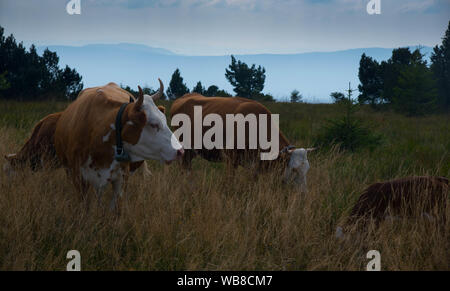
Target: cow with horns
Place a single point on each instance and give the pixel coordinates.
(103, 132)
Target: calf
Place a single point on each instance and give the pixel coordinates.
(410, 197)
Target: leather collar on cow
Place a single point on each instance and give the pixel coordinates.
(121, 155)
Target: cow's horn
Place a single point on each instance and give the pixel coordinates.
(140, 100)
(159, 94)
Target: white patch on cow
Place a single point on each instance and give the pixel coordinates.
(99, 178)
(106, 137)
(297, 168)
(129, 122)
(157, 141)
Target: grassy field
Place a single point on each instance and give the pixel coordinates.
(207, 220)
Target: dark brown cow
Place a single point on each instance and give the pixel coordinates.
(39, 150)
(293, 161)
(411, 197)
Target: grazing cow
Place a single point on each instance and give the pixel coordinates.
(410, 196)
(103, 131)
(39, 150)
(293, 160)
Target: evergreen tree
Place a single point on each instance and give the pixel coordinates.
(401, 59)
(70, 82)
(223, 93)
(347, 131)
(30, 76)
(337, 97)
(176, 87)
(371, 87)
(248, 82)
(415, 93)
(199, 88)
(296, 97)
(50, 72)
(440, 65)
(212, 91)
(3, 82)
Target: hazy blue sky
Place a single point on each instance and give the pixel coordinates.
(214, 27)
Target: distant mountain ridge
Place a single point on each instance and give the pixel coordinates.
(314, 74)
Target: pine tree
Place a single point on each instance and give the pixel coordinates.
(401, 59)
(212, 91)
(337, 97)
(440, 65)
(347, 131)
(30, 76)
(248, 82)
(371, 87)
(415, 93)
(296, 97)
(199, 88)
(4, 84)
(176, 87)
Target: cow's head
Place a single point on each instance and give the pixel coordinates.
(297, 166)
(146, 133)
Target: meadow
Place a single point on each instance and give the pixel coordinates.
(212, 220)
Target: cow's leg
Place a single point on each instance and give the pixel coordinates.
(99, 193)
(134, 167)
(145, 170)
(117, 193)
(81, 186)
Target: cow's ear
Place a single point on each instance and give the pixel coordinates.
(162, 109)
(140, 100)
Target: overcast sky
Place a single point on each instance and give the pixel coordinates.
(218, 27)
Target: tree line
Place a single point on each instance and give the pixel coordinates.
(247, 81)
(24, 75)
(405, 82)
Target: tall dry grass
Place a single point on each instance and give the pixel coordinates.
(209, 220)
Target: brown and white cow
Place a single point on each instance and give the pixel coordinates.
(418, 196)
(293, 161)
(39, 150)
(86, 143)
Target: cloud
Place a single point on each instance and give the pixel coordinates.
(417, 5)
(230, 26)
